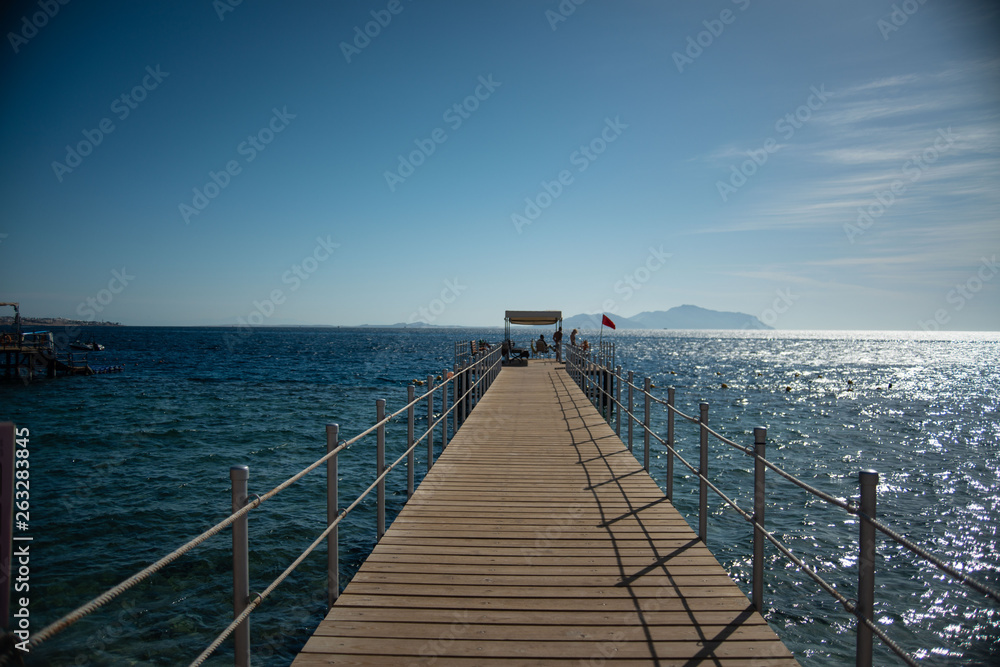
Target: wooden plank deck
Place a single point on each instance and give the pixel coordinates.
(537, 539)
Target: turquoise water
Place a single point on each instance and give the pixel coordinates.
(126, 467)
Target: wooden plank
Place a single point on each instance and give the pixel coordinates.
(537, 538)
(581, 649)
(554, 604)
(603, 654)
(550, 631)
(346, 613)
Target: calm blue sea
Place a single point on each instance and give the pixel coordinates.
(128, 466)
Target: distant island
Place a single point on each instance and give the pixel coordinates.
(679, 317)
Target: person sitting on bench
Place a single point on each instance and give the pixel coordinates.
(541, 347)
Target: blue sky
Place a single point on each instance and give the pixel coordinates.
(830, 164)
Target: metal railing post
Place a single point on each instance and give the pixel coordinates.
(380, 468)
(467, 391)
(757, 596)
(444, 409)
(454, 399)
(631, 377)
(241, 566)
(578, 368)
(470, 388)
(595, 388)
(410, 465)
(618, 401)
(599, 388)
(670, 443)
(476, 385)
(430, 420)
(591, 385)
(608, 382)
(332, 509)
(463, 386)
(703, 475)
(646, 386)
(602, 390)
(868, 481)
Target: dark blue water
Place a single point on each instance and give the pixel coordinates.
(126, 467)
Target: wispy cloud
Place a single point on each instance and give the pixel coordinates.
(927, 141)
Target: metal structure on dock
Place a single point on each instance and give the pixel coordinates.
(33, 354)
(532, 318)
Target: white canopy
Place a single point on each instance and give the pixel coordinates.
(533, 317)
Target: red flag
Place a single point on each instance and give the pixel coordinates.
(606, 321)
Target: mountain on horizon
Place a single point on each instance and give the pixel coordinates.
(678, 317)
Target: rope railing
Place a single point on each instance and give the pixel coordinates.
(848, 606)
(833, 500)
(329, 529)
(657, 399)
(956, 574)
(483, 366)
(826, 586)
(583, 366)
(380, 478)
(723, 439)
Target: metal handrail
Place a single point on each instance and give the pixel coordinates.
(485, 374)
(833, 500)
(746, 450)
(577, 359)
(375, 485)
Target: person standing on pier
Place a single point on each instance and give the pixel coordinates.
(557, 339)
(572, 337)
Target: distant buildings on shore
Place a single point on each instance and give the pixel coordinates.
(7, 320)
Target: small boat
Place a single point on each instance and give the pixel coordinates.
(92, 346)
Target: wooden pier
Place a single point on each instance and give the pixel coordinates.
(538, 539)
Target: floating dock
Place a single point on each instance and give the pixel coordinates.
(33, 355)
(538, 539)
(27, 355)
